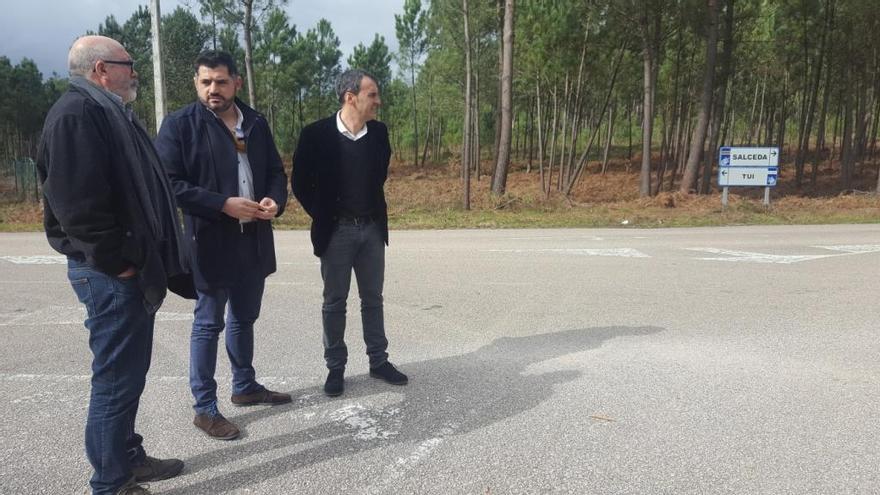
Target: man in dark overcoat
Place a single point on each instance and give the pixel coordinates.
(229, 182)
(339, 172)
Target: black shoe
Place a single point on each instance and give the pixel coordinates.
(152, 469)
(335, 383)
(132, 488)
(389, 373)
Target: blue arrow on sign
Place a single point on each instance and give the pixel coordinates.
(771, 180)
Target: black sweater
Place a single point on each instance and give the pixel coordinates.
(317, 175)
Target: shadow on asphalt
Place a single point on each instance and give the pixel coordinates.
(446, 396)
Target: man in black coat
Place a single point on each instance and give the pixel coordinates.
(339, 172)
(230, 184)
(109, 208)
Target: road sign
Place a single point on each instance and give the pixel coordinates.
(729, 156)
(742, 166)
(747, 176)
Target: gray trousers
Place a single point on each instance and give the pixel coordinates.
(357, 247)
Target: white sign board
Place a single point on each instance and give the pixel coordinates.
(741, 166)
(729, 156)
(747, 176)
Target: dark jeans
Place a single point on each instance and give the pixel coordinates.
(120, 325)
(244, 300)
(359, 247)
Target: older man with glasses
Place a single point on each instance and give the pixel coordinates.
(109, 208)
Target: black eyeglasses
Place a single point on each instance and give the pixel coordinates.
(129, 63)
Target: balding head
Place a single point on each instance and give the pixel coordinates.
(87, 50)
(105, 62)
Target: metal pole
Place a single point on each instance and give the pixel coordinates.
(724, 197)
(766, 196)
(158, 71)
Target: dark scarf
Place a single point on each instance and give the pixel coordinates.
(137, 150)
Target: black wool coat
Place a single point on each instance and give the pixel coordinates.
(91, 207)
(200, 157)
(315, 177)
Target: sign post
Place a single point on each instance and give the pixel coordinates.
(741, 166)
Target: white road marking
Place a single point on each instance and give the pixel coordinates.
(31, 377)
(68, 315)
(854, 248)
(36, 260)
(542, 237)
(402, 465)
(49, 397)
(364, 422)
(618, 252)
(62, 378)
(752, 257)
(31, 282)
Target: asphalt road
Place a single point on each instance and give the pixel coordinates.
(708, 360)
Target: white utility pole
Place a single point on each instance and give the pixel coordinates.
(158, 71)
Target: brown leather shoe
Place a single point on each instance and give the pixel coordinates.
(264, 396)
(216, 426)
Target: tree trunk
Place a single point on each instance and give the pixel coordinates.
(861, 118)
(820, 131)
(429, 130)
(846, 144)
(583, 160)
(718, 112)
(496, 110)
(768, 139)
(648, 119)
(699, 139)
(751, 123)
(552, 144)
(780, 141)
(544, 187)
(563, 172)
(527, 139)
(804, 146)
(466, 133)
(476, 126)
(248, 51)
(608, 140)
(577, 110)
(412, 78)
(629, 134)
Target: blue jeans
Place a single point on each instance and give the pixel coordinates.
(357, 247)
(244, 300)
(120, 325)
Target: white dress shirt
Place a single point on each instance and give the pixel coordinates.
(344, 130)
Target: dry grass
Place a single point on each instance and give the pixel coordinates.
(431, 198)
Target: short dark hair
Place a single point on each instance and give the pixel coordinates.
(350, 82)
(215, 58)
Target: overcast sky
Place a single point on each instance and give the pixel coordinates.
(43, 30)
